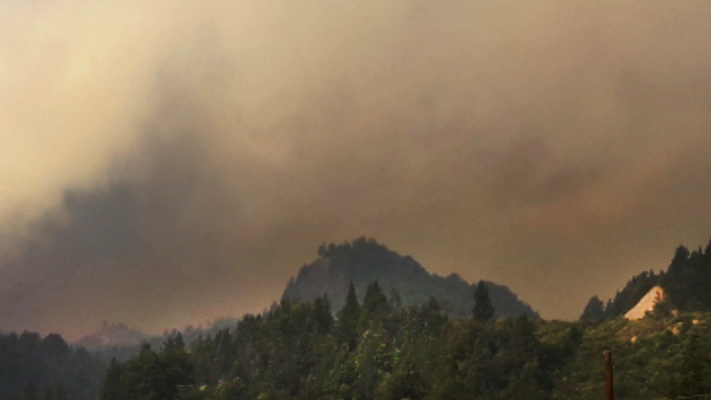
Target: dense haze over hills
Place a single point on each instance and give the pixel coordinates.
(171, 163)
(112, 334)
(364, 261)
(166, 163)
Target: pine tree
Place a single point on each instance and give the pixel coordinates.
(178, 365)
(594, 310)
(483, 309)
(348, 319)
(30, 392)
(146, 376)
(375, 304)
(322, 314)
(707, 253)
(681, 256)
(60, 393)
(610, 310)
(113, 388)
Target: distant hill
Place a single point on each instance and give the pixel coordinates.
(686, 283)
(365, 260)
(118, 340)
(116, 334)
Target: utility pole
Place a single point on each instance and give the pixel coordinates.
(609, 380)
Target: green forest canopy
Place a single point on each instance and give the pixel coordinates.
(378, 349)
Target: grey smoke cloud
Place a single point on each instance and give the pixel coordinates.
(166, 163)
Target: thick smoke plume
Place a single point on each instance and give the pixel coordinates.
(168, 162)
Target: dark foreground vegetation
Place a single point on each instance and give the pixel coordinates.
(381, 350)
(47, 368)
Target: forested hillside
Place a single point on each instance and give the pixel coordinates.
(401, 277)
(381, 350)
(686, 283)
(33, 366)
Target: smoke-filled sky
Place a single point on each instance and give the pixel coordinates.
(165, 163)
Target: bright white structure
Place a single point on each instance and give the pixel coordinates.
(647, 304)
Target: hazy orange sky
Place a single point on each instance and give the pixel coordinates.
(165, 163)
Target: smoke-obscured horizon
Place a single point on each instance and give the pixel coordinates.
(165, 163)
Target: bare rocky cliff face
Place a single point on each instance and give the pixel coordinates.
(646, 304)
(364, 261)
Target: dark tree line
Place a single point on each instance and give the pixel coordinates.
(56, 392)
(151, 375)
(32, 367)
(686, 283)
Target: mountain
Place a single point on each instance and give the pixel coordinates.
(686, 284)
(364, 261)
(119, 341)
(116, 334)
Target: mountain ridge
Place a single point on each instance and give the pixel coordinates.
(365, 260)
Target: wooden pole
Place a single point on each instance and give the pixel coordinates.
(609, 387)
